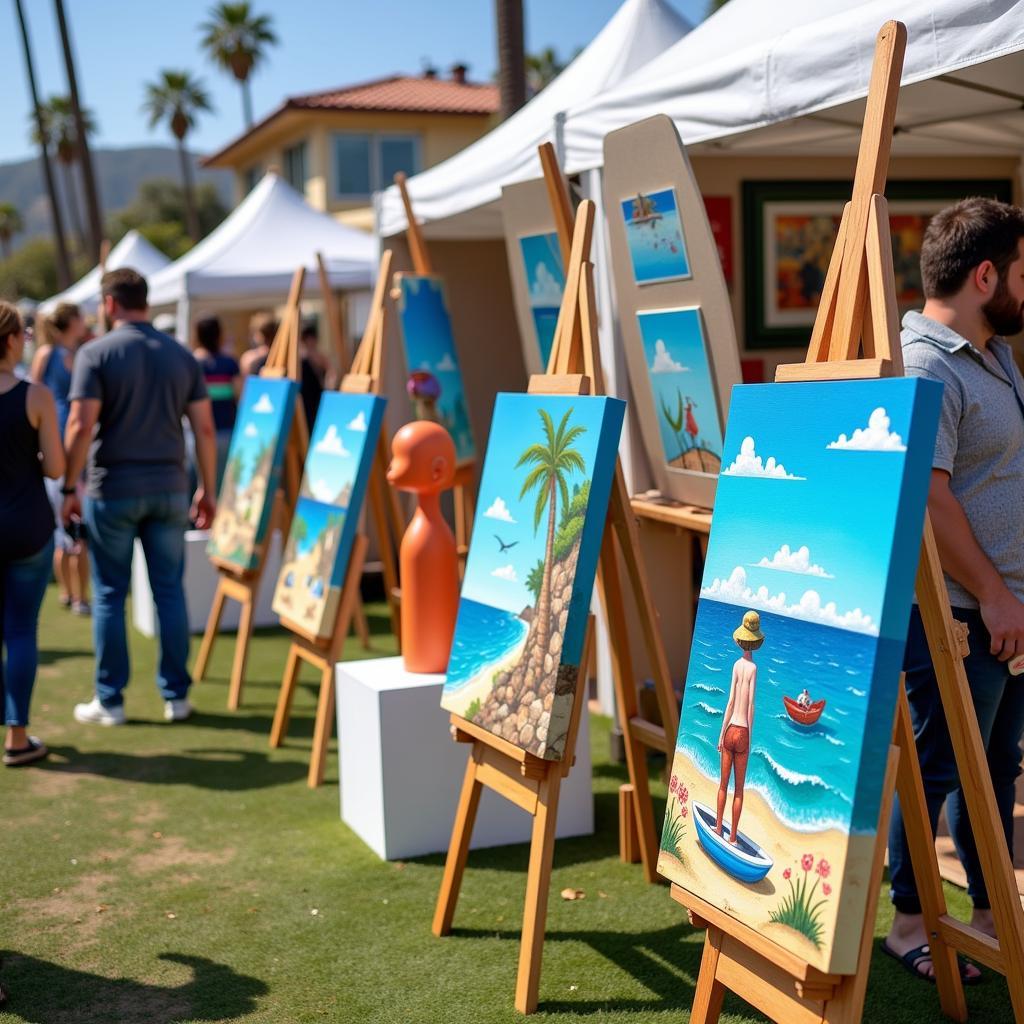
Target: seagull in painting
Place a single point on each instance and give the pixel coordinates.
(504, 547)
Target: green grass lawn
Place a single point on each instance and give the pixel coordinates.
(160, 874)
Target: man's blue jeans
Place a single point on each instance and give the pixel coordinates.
(22, 586)
(160, 522)
(999, 702)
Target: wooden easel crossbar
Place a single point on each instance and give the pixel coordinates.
(856, 337)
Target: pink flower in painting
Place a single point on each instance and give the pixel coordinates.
(826, 888)
(786, 874)
(684, 794)
(824, 869)
(684, 810)
(807, 861)
(673, 785)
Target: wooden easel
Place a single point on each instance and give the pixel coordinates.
(464, 488)
(384, 509)
(637, 835)
(243, 585)
(363, 378)
(856, 336)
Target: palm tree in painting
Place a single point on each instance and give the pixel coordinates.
(177, 97)
(237, 40)
(675, 422)
(553, 462)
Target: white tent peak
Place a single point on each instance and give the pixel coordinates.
(134, 250)
(472, 178)
(255, 251)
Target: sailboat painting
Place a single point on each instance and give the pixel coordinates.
(654, 232)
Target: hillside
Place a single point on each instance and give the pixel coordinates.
(119, 172)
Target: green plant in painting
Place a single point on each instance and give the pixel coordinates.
(675, 421)
(675, 818)
(473, 709)
(800, 910)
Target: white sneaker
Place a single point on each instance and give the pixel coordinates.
(96, 714)
(177, 710)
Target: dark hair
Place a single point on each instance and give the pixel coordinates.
(10, 325)
(60, 319)
(309, 332)
(964, 235)
(127, 287)
(208, 333)
(265, 326)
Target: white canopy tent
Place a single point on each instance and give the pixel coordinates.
(250, 258)
(134, 251)
(464, 191)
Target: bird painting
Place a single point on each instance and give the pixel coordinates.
(505, 547)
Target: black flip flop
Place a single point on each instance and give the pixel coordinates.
(35, 751)
(914, 956)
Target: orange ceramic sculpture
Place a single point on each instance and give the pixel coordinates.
(423, 462)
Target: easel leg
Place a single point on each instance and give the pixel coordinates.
(629, 838)
(709, 993)
(242, 641)
(458, 849)
(322, 732)
(210, 635)
(284, 700)
(362, 627)
(538, 883)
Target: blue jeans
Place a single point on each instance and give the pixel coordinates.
(160, 522)
(22, 587)
(999, 702)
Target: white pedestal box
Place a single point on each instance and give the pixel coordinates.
(200, 586)
(401, 772)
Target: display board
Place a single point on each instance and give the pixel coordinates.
(530, 573)
(252, 471)
(673, 305)
(315, 561)
(779, 767)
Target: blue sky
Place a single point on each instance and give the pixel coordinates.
(839, 503)
(338, 441)
(499, 578)
(657, 248)
(260, 415)
(324, 44)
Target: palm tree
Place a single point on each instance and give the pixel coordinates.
(177, 97)
(10, 225)
(542, 69)
(552, 463)
(236, 40)
(511, 56)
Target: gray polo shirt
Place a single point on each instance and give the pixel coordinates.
(980, 441)
(145, 381)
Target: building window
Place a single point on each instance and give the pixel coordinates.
(295, 166)
(367, 163)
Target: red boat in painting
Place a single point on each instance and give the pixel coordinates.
(804, 715)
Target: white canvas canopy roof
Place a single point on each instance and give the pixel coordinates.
(464, 190)
(133, 251)
(791, 79)
(251, 257)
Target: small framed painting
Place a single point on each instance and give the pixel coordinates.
(252, 471)
(545, 280)
(654, 234)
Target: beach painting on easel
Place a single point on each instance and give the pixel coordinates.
(252, 470)
(654, 234)
(682, 388)
(787, 714)
(434, 378)
(315, 559)
(525, 598)
(545, 279)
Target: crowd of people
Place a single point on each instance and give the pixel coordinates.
(104, 441)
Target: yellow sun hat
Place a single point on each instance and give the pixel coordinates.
(751, 628)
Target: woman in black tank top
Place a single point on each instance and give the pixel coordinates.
(30, 448)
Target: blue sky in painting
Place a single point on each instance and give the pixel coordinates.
(315, 515)
(677, 366)
(499, 578)
(656, 246)
(262, 409)
(808, 499)
(337, 444)
(544, 274)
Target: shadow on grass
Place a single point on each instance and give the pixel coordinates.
(51, 656)
(43, 991)
(226, 770)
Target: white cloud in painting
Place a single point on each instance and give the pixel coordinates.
(322, 491)
(506, 572)
(263, 405)
(749, 463)
(663, 361)
(798, 561)
(331, 444)
(875, 437)
(499, 510)
(545, 290)
(809, 608)
(250, 430)
(359, 423)
(446, 364)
